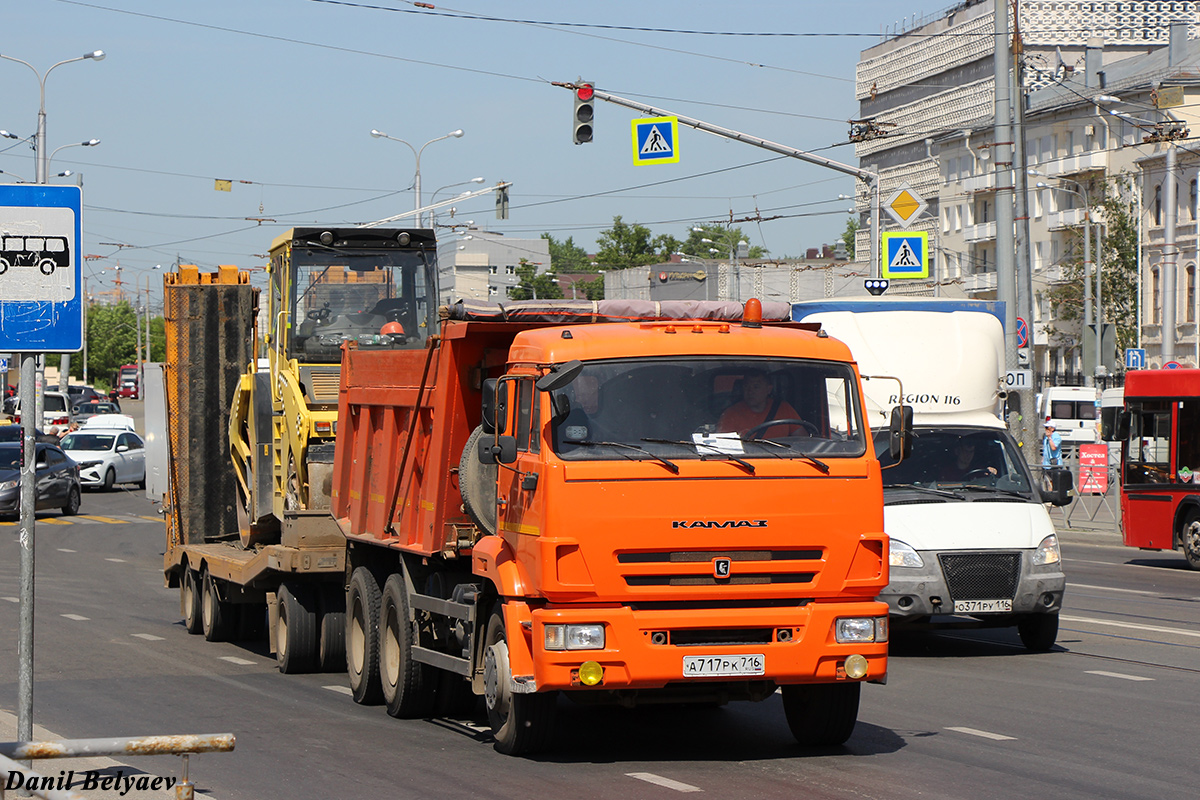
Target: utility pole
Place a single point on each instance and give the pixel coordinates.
(868, 177)
(1028, 430)
(1169, 253)
(1005, 245)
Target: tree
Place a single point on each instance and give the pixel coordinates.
(850, 235)
(624, 245)
(566, 256)
(593, 289)
(721, 237)
(112, 339)
(1118, 267)
(532, 285)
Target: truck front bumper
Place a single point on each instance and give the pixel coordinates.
(656, 649)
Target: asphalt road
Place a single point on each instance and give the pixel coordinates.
(967, 714)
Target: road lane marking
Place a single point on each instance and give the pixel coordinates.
(149, 637)
(11, 599)
(999, 737)
(76, 617)
(1120, 675)
(658, 780)
(1131, 625)
(65, 550)
(152, 519)
(52, 521)
(1112, 589)
(340, 689)
(239, 661)
(116, 560)
(98, 518)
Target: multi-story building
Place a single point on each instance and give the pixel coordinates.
(930, 91)
(482, 265)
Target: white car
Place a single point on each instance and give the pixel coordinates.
(107, 456)
(122, 422)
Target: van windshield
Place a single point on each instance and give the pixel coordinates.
(954, 458)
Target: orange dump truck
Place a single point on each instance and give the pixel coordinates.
(625, 501)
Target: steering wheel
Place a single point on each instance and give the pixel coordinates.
(978, 473)
(322, 315)
(771, 423)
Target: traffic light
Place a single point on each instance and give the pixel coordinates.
(876, 286)
(585, 99)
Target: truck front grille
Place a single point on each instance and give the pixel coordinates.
(720, 636)
(696, 567)
(981, 576)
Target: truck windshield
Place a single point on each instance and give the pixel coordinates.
(378, 298)
(709, 408)
(954, 458)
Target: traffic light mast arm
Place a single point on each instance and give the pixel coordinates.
(870, 178)
(423, 209)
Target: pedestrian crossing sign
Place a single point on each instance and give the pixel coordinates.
(905, 255)
(655, 140)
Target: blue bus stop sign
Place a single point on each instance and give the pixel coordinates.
(41, 273)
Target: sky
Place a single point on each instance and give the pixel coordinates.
(280, 96)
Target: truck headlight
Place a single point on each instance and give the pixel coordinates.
(855, 629)
(574, 637)
(903, 555)
(1047, 552)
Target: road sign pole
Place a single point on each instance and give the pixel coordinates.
(28, 490)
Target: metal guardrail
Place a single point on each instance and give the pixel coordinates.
(60, 788)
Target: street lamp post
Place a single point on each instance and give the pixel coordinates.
(737, 249)
(141, 362)
(417, 155)
(433, 197)
(31, 398)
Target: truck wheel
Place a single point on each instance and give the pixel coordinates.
(189, 602)
(521, 723)
(477, 484)
(331, 638)
(821, 714)
(219, 617)
(1189, 541)
(296, 633)
(362, 637)
(407, 685)
(1038, 631)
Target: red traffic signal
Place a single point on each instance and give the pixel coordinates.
(581, 125)
(585, 91)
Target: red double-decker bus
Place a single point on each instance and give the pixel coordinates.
(1160, 461)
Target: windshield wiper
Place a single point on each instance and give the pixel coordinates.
(992, 489)
(816, 462)
(715, 455)
(926, 489)
(671, 465)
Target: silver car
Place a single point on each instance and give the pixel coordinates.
(107, 456)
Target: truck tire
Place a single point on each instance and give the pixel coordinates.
(219, 617)
(477, 485)
(821, 714)
(296, 633)
(1038, 631)
(407, 686)
(189, 602)
(521, 723)
(331, 637)
(362, 637)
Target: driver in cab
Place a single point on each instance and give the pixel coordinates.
(758, 405)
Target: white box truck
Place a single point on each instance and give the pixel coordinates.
(972, 544)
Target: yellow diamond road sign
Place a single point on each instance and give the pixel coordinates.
(905, 205)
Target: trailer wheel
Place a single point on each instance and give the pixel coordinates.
(821, 714)
(1038, 631)
(477, 484)
(1189, 540)
(521, 723)
(362, 637)
(331, 639)
(407, 685)
(296, 633)
(219, 617)
(189, 602)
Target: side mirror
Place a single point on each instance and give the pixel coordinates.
(900, 432)
(489, 406)
(1058, 481)
(502, 451)
(560, 376)
(1122, 432)
(122, 448)
(40, 465)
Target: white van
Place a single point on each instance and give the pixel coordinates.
(1072, 409)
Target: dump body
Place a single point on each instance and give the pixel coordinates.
(969, 533)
